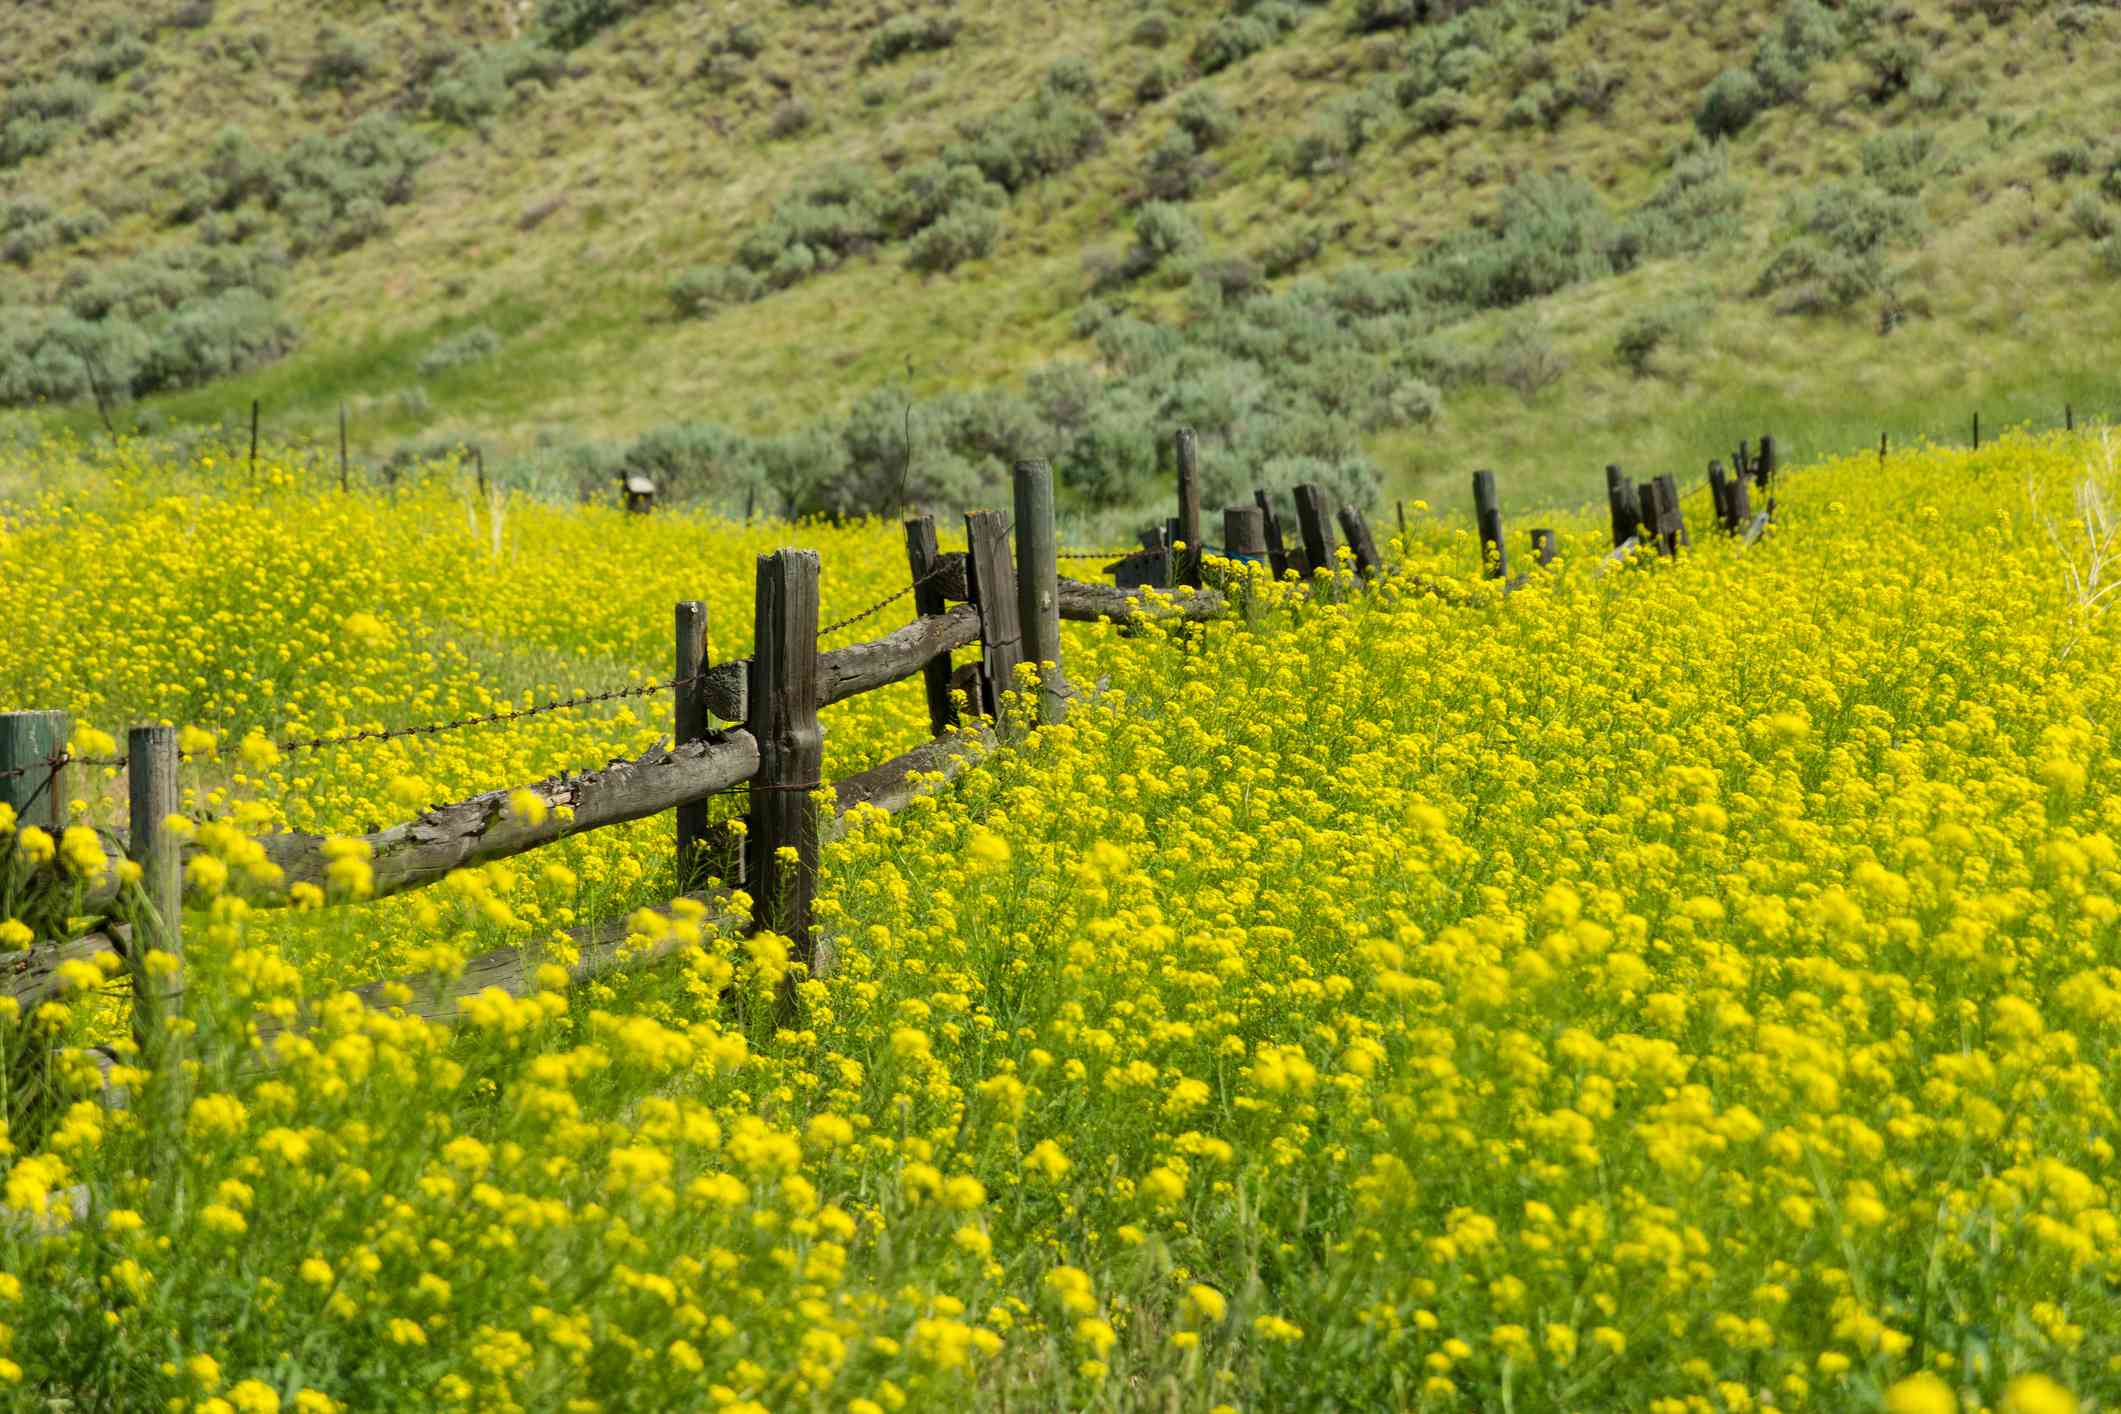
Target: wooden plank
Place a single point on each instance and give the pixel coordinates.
(993, 588)
(1620, 551)
(1277, 549)
(1314, 518)
(158, 915)
(896, 782)
(1671, 524)
(898, 655)
(781, 868)
(689, 723)
(928, 602)
(1487, 516)
(1245, 534)
(1720, 494)
(1646, 514)
(1038, 586)
(1357, 529)
(1758, 528)
(487, 827)
(29, 741)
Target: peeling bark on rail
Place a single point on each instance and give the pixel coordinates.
(472, 832)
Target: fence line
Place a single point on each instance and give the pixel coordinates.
(1009, 606)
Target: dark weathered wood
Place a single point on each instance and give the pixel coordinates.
(927, 602)
(1619, 505)
(1187, 449)
(29, 743)
(1881, 450)
(1487, 518)
(2069, 418)
(1543, 546)
(1277, 549)
(1741, 502)
(865, 667)
(1765, 464)
(1315, 518)
(1245, 534)
(1087, 603)
(158, 907)
(1977, 430)
(891, 785)
(1357, 529)
(487, 827)
(695, 857)
(992, 587)
(342, 448)
(1402, 505)
(1646, 514)
(791, 748)
(1671, 521)
(478, 459)
(1143, 569)
(1720, 495)
(1038, 577)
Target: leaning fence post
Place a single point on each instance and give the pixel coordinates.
(689, 725)
(991, 584)
(1317, 527)
(157, 954)
(1487, 518)
(1038, 578)
(928, 601)
(1188, 450)
(783, 720)
(1277, 549)
(33, 766)
(1357, 529)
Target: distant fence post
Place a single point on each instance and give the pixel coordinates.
(157, 954)
(1881, 450)
(1618, 505)
(1646, 513)
(1487, 518)
(928, 601)
(1357, 529)
(1543, 546)
(1317, 527)
(1277, 548)
(1720, 495)
(1671, 520)
(1765, 467)
(990, 583)
(1245, 541)
(783, 711)
(2069, 418)
(1187, 447)
(33, 766)
(253, 442)
(342, 448)
(1038, 577)
(690, 724)
(1977, 429)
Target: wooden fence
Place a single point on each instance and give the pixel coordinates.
(1008, 601)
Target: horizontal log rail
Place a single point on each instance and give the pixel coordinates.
(485, 827)
(1088, 603)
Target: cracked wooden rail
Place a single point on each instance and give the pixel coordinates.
(31, 978)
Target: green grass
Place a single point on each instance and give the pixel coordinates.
(653, 172)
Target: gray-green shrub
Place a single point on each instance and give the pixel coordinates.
(910, 34)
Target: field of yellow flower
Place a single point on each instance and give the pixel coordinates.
(1684, 986)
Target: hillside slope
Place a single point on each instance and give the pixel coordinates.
(1374, 243)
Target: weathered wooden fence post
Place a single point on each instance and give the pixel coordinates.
(1619, 504)
(1487, 518)
(1671, 520)
(783, 720)
(157, 953)
(1187, 447)
(1245, 541)
(1277, 548)
(1038, 577)
(1543, 547)
(1720, 495)
(990, 583)
(928, 601)
(1881, 450)
(33, 766)
(1977, 429)
(1357, 529)
(1317, 526)
(2069, 418)
(689, 724)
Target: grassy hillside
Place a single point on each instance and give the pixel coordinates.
(1374, 243)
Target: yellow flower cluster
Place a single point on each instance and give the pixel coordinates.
(1680, 986)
